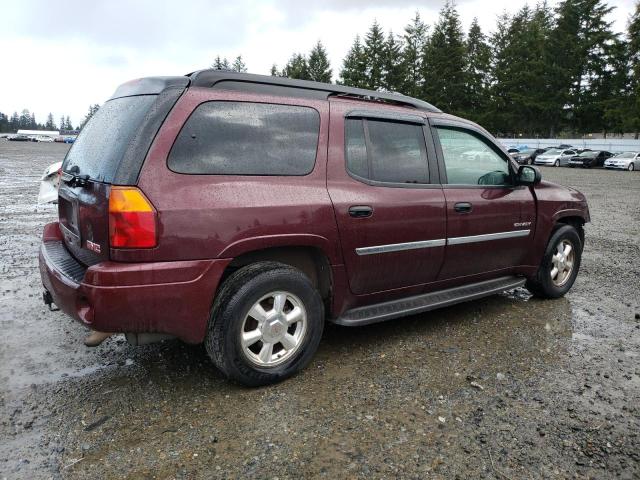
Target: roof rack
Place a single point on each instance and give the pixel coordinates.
(282, 86)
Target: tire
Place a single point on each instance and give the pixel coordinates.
(543, 285)
(530, 162)
(631, 167)
(230, 318)
(556, 163)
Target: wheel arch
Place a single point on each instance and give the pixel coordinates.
(311, 260)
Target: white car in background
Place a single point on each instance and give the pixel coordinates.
(624, 161)
(49, 184)
(556, 157)
(44, 138)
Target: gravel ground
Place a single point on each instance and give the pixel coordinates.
(508, 387)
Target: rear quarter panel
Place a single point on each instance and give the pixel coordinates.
(222, 216)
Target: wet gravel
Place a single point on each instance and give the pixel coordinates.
(508, 387)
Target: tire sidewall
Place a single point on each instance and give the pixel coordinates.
(229, 317)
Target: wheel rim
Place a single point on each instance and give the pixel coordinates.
(273, 330)
(562, 263)
(631, 167)
(557, 163)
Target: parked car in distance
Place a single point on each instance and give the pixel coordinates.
(589, 159)
(527, 156)
(59, 139)
(69, 139)
(44, 138)
(564, 146)
(555, 156)
(243, 211)
(624, 160)
(19, 138)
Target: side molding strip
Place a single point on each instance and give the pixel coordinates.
(488, 236)
(398, 247)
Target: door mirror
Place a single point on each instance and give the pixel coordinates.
(528, 175)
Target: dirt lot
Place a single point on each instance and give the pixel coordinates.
(556, 395)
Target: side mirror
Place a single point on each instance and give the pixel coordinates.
(528, 175)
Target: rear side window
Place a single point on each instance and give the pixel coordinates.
(386, 151)
(99, 148)
(243, 138)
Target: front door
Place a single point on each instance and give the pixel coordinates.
(391, 218)
(490, 221)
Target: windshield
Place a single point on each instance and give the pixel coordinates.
(589, 153)
(626, 155)
(103, 140)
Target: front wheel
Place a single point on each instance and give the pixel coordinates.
(560, 264)
(265, 324)
(630, 168)
(557, 163)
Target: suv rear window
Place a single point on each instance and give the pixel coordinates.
(244, 138)
(99, 148)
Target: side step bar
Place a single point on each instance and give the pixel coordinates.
(425, 302)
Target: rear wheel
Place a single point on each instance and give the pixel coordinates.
(630, 167)
(560, 264)
(265, 325)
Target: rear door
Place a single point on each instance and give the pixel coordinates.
(391, 217)
(490, 221)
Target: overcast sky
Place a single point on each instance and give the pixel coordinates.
(61, 56)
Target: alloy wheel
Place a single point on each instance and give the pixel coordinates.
(274, 329)
(562, 263)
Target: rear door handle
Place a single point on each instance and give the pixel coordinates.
(360, 211)
(463, 207)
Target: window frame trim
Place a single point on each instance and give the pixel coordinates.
(416, 120)
(184, 124)
(482, 136)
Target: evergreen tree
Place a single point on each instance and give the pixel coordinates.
(14, 122)
(354, 66)
(239, 65)
(62, 124)
(319, 66)
(274, 71)
(297, 67)
(374, 50)
(478, 73)
(633, 53)
(415, 39)
(220, 64)
(69, 126)
(393, 75)
(444, 63)
(92, 110)
(32, 122)
(50, 125)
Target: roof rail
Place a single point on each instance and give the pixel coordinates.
(282, 85)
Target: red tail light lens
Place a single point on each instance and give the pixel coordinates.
(132, 219)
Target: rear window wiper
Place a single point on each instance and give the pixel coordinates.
(74, 179)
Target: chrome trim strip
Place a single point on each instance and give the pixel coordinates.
(441, 242)
(397, 247)
(488, 236)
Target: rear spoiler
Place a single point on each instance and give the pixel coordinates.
(149, 86)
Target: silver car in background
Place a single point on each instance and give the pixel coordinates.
(556, 157)
(624, 161)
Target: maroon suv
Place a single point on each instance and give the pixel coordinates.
(243, 211)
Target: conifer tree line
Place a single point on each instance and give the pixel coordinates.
(26, 120)
(541, 72)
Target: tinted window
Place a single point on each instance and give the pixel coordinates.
(103, 140)
(242, 138)
(395, 152)
(470, 160)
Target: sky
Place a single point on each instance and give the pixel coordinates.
(62, 56)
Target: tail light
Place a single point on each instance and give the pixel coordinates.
(132, 219)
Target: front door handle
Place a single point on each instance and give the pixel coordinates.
(360, 211)
(463, 207)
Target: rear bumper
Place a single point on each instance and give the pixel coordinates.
(156, 297)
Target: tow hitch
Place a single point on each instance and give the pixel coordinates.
(48, 301)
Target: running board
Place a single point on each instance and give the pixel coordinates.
(380, 312)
